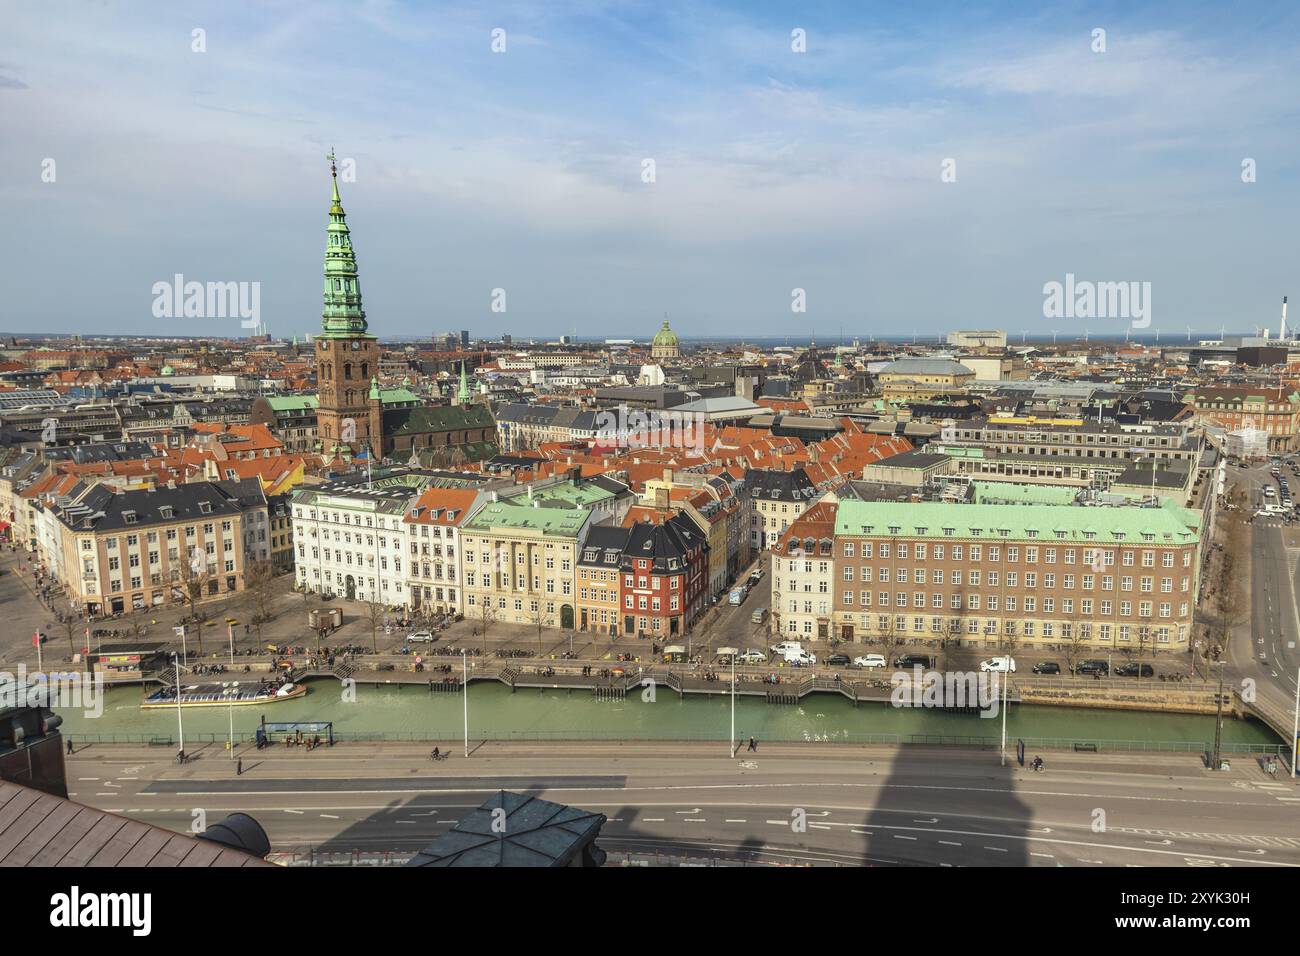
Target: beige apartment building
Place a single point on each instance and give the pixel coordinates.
(519, 563)
(130, 550)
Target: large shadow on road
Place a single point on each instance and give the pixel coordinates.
(948, 805)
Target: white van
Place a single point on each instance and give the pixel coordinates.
(999, 665)
(797, 656)
(784, 646)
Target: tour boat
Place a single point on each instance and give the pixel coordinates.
(214, 695)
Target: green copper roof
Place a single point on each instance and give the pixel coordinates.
(565, 494)
(397, 396)
(436, 418)
(343, 316)
(561, 522)
(1170, 525)
(665, 336)
(285, 403)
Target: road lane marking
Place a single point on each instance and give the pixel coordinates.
(735, 821)
(899, 836)
(997, 849)
(949, 843)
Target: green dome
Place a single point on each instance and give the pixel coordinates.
(168, 370)
(665, 337)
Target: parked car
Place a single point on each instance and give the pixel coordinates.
(1047, 667)
(1089, 668)
(784, 646)
(914, 660)
(838, 660)
(870, 660)
(998, 665)
(420, 637)
(1131, 669)
(751, 656)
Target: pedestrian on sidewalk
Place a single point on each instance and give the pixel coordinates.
(69, 745)
(239, 767)
(753, 745)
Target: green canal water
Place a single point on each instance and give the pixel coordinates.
(410, 712)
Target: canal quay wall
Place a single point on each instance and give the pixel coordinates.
(445, 673)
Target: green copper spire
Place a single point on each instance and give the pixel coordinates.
(374, 386)
(343, 316)
(462, 396)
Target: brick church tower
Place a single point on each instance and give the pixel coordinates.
(347, 356)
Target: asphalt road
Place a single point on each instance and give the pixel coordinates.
(1274, 630)
(858, 805)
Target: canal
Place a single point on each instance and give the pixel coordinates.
(410, 712)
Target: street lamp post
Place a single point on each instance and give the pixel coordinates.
(1006, 686)
(733, 705)
(1218, 718)
(464, 693)
(231, 691)
(180, 723)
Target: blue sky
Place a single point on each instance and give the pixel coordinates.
(774, 170)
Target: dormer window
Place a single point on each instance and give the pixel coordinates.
(130, 517)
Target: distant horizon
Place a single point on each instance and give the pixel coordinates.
(734, 166)
(764, 340)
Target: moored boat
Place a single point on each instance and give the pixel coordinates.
(214, 695)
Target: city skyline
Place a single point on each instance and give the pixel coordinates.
(524, 170)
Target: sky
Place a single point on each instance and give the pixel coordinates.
(919, 167)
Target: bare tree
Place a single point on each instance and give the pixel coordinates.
(373, 615)
(1075, 645)
(948, 639)
(542, 619)
(70, 623)
(195, 575)
(486, 618)
(885, 635)
(259, 580)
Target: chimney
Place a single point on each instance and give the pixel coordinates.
(661, 499)
(668, 475)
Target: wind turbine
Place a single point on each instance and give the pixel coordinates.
(1022, 336)
(1054, 331)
